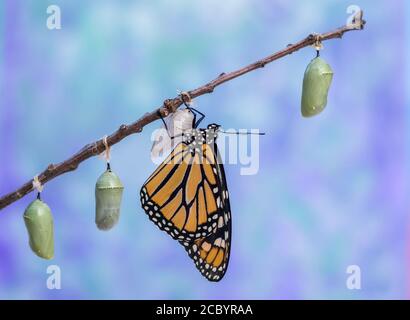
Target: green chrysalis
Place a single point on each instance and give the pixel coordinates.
(39, 224)
(316, 83)
(108, 195)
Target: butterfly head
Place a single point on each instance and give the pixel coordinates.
(211, 133)
(213, 127)
(197, 137)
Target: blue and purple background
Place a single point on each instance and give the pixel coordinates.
(332, 191)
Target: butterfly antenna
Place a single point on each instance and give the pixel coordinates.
(247, 133)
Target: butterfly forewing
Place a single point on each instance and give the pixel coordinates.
(182, 196)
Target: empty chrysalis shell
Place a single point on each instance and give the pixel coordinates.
(316, 83)
(177, 123)
(39, 224)
(108, 195)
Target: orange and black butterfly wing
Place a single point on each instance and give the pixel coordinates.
(211, 253)
(182, 195)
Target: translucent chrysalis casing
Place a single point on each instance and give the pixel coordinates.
(316, 83)
(177, 123)
(39, 224)
(108, 196)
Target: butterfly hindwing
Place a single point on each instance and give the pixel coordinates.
(211, 254)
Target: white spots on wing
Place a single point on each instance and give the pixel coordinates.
(221, 222)
(222, 243)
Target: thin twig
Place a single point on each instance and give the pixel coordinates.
(168, 106)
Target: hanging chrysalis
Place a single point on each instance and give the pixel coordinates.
(174, 125)
(39, 224)
(316, 83)
(108, 195)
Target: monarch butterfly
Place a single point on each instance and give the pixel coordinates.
(187, 197)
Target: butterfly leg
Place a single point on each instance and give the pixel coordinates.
(195, 112)
(163, 120)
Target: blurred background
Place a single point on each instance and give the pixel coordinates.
(332, 191)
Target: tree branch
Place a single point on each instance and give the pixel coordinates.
(168, 106)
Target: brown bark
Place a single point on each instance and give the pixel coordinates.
(169, 105)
